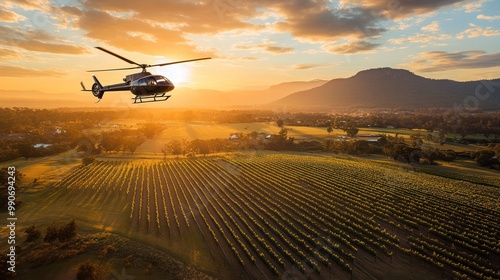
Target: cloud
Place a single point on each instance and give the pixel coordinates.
(306, 19)
(442, 61)
(433, 27)
(307, 66)
(421, 38)
(28, 4)
(351, 47)
(207, 17)
(10, 16)
(474, 5)
(490, 18)
(477, 31)
(7, 54)
(36, 40)
(266, 47)
(328, 25)
(116, 22)
(13, 71)
(133, 34)
(403, 8)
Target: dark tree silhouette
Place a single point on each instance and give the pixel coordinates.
(32, 234)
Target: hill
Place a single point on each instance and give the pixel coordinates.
(38, 99)
(181, 97)
(394, 88)
(186, 97)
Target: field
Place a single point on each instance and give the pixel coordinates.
(178, 130)
(268, 215)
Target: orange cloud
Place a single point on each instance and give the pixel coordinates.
(443, 61)
(166, 25)
(13, 71)
(10, 16)
(36, 40)
(433, 27)
(490, 18)
(134, 34)
(7, 54)
(308, 19)
(477, 31)
(28, 4)
(402, 8)
(421, 38)
(307, 66)
(266, 47)
(351, 47)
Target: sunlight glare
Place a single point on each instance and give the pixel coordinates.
(179, 74)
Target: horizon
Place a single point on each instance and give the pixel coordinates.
(253, 45)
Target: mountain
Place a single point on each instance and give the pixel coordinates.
(181, 97)
(394, 88)
(186, 97)
(38, 99)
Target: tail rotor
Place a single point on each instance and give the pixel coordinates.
(97, 88)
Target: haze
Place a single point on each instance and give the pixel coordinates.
(48, 45)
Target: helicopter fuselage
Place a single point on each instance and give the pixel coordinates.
(148, 84)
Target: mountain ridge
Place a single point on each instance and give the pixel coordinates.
(393, 88)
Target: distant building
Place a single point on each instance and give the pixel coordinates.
(41, 145)
(59, 130)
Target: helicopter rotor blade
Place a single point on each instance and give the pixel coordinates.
(181, 61)
(115, 69)
(139, 66)
(120, 57)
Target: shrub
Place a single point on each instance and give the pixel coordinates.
(63, 233)
(88, 271)
(51, 234)
(88, 160)
(68, 231)
(32, 234)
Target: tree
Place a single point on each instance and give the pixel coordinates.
(199, 146)
(280, 123)
(133, 142)
(68, 231)
(150, 130)
(32, 234)
(51, 234)
(174, 147)
(63, 233)
(485, 157)
(88, 160)
(416, 140)
(329, 129)
(351, 131)
(27, 150)
(88, 271)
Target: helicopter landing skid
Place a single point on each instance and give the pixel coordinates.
(151, 98)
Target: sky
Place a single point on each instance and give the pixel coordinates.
(50, 45)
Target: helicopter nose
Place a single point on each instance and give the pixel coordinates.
(170, 87)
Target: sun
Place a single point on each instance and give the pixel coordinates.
(179, 74)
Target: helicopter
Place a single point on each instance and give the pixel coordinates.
(145, 86)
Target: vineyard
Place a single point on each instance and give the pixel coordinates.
(303, 216)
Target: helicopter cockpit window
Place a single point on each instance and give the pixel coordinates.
(151, 81)
(160, 79)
